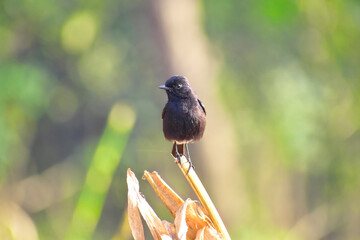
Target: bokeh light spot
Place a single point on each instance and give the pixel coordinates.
(99, 69)
(122, 118)
(78, 32)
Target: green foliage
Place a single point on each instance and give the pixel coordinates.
(100, 172)
(290, 85)
(23, 100)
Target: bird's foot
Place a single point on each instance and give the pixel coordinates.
(178, 158)
(191, 165)
(188, 160)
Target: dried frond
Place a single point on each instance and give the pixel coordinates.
(170, 199)
(137, 202)
(191, 219)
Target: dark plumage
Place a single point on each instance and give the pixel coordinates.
(184, 116)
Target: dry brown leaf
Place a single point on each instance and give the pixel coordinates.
(180, 221)
(200, 235)
(191, 219)
(157, 228)
(195, 218)
(170, 227)
(169, 198)
(133, 211)
(209, 233)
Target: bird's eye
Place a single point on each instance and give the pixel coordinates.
(178, 86)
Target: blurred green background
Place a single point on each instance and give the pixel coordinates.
(79, 105)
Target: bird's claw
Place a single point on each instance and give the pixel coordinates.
(178, 158)
(190, 166)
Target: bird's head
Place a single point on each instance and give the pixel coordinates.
(177, 87)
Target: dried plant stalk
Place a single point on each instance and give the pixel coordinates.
(203, 196)
(190, 218)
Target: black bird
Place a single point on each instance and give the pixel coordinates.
(184, 116)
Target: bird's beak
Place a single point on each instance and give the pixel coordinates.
(163, 87)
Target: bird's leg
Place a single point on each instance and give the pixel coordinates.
(188, 158)
(175, 152)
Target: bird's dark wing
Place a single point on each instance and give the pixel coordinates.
(163, 112)
(202, 106)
